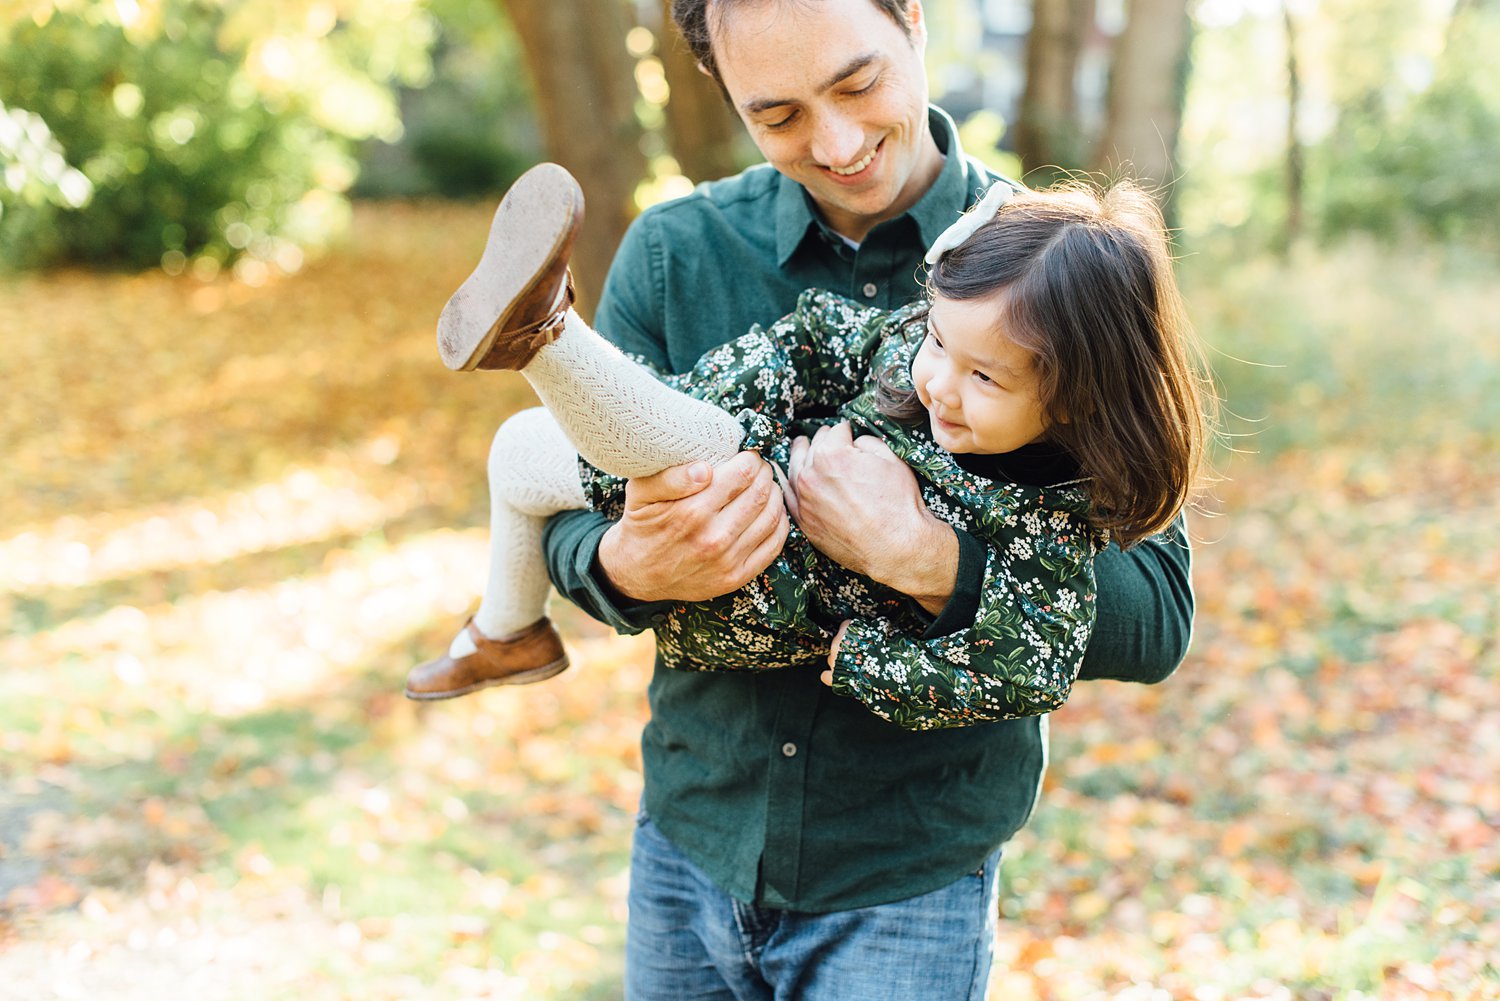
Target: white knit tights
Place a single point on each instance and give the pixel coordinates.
(600, 405)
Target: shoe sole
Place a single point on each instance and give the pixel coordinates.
(536, 216)
(530, 677)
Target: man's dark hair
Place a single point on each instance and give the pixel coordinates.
(697, 24)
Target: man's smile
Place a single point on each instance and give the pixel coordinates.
(860, 165)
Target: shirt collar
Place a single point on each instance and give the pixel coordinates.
(794, 218)
(957, 187)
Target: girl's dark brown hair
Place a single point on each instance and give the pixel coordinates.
(1082, 279)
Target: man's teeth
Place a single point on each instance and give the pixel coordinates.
(856, 167)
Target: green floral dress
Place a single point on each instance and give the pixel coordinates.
(1021, 654)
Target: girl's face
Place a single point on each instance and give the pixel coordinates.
(979, 386)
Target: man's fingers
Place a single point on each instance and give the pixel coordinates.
(736, 476)
(672, 483)
(770, 522)
(832, 436)
(773, 521)
(759, 490)
(716, 485)
(829, 440)
(798, 457)
(870, 443)
(713, 526)
(755, 527)
(789, 498)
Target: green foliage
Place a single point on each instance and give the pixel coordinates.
(1427, 165)
(1350, 345)
(35, 171)
(981, 134)
(1398, 122)
(169, 133)
(208, 130)
(471, 131)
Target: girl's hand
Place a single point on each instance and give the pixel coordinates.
(833, 653)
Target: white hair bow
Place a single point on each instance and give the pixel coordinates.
(982, 212)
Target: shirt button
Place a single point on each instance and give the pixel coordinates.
(870, 290)
(789, 749)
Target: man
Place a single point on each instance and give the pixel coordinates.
(791, 844)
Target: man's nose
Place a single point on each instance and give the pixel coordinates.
(838, 140)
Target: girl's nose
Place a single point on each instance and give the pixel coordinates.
(943, 389)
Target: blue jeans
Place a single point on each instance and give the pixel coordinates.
(687, 940)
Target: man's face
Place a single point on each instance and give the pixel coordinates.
(834, 94)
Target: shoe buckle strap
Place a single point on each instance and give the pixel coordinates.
(522, 343)
(549, 327)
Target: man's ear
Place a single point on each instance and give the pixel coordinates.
(916, 20)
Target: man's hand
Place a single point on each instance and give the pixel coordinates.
(690, 533)
(860, 506)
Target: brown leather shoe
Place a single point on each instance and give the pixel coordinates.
(533, 654)
(513, 304)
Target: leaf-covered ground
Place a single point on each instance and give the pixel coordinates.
(235, 516)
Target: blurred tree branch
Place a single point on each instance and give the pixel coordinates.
(1048, 133)
(1147, 87)
(583, 79)
(703, 131)
(1295, 163)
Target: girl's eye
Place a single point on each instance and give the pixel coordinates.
(983, 378)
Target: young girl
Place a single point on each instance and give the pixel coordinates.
(1045, 398)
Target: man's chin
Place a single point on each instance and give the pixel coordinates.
(869, 201)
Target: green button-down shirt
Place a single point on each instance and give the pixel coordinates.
(785, 794)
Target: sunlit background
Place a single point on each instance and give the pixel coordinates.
(242, 498)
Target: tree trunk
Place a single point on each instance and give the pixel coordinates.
(583, 79)
(1294, 162)
(1048, 133)
(704, 133)
(1147, 83)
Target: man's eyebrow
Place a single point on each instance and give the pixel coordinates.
(850, 68)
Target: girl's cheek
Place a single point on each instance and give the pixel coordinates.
(919, 380)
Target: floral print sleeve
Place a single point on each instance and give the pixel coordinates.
(799, 368)
(807, 362)
(1019, 658)
(1021, 654)
(817, 356)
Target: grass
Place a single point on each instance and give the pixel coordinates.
(254, 508)
(1359, 346)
